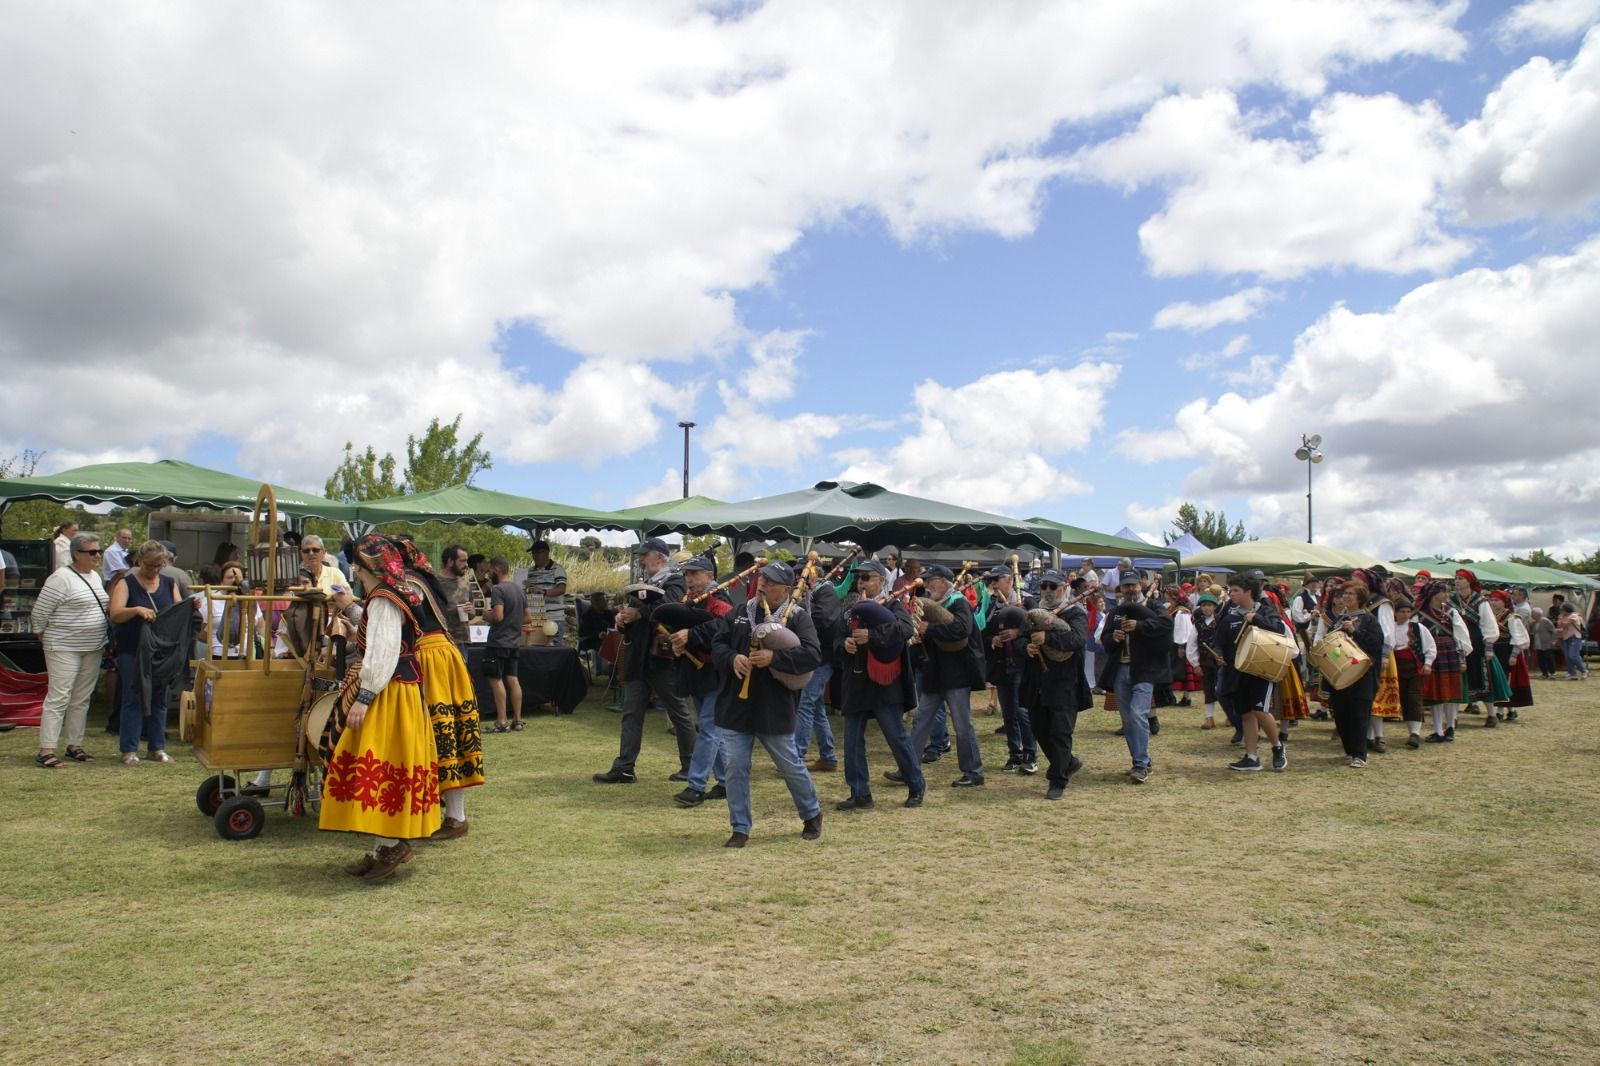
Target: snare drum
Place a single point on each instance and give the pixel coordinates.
(1264, 654)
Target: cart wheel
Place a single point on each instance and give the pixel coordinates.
(239, 818)
(208, 797)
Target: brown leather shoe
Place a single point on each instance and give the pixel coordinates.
(737, 840)
(822, 766)
(1209, 723)
(812, 828)
(360, 866)
(388, 861)
(449, 829)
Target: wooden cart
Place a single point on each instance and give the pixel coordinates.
(246, 711)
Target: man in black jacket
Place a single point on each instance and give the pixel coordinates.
(1250, 696)
(646, 670)
(1056, 690)
(1006, 651)
(766, 710)
(1138, 643)
(876, 666)
(948, 677)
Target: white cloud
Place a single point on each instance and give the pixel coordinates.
(1460, 416)
(1548, 20)
(990, 443)
(301, 218)
(1534, 148)
(1362, 190)
(1196, 318)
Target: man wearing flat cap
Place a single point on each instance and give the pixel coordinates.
(1006, 649)
(760, 693)
(1138, 643)
(699, 577)
(877, 686)
(647, 668)
(953, 668)
(1053, 683)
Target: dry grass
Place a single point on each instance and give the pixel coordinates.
(1438, 907)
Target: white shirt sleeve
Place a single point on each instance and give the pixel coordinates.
(384, 625)
(1386, 620)
(1298, 612)
(1319, 630)
(1182, 628)
(1430, 647)
(1519, 633)
(1486, 623)
(1458, 629)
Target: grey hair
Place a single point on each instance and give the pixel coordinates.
(83, 540)
(150, 549)
(311, 540)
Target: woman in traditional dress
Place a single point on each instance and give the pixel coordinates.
(1441, 689)
(378, 746)
(1185, 646)
(447, 694)
(1478, 685)
(1352, 705)
(1511, 653)
(1386, 704)
(1205, 628)
(1414, 652)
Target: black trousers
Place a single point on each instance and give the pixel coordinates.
(1052, 730)
(661, 678)
(1352, 713)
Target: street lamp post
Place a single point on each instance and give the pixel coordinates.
(686, 427)
(1310, 453)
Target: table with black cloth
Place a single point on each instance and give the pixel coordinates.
(548, 675)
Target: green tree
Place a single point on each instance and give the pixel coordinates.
(362, 476)
(440, 460)
(1209, 528)
(1538, 557)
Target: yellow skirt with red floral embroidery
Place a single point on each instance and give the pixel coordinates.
(383, 778)
(1289, 703)
(453, 709)
(1386, 704)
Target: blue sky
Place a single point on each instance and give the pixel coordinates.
(844, 240)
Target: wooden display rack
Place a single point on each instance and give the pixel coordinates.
(245, 713)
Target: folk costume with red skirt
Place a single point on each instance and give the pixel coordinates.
(1449, 633)
(1511, 652)
(383, 775)
(1386, 704)
(1478, 684)
(1185, 650)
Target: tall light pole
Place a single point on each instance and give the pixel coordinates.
(1310, 453)
(686, 427)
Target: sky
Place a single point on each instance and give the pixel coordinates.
(1079, 260)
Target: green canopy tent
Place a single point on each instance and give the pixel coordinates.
(166, 483)
(1494, 572)
(649, 515)
(1282, 556)
(867, 514)
(1075, 540)
(478, 506)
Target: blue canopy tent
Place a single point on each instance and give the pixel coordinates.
(1140, 562)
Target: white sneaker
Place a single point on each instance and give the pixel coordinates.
(1358, 764)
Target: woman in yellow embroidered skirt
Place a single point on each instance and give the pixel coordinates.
(447, 695)
(382, 764)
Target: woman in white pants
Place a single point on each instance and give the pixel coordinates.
(70, 618)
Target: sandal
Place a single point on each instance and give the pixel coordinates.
(79, 755)
(48, 762)
(516, 727)
(160, 756)
(498, 728)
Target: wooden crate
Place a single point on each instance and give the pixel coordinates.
(244, 717)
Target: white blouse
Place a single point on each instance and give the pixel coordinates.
(385, 624)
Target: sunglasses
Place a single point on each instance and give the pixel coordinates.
(88, 551)
(310, 551)
(1048, 585)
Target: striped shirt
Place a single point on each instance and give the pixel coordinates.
(70, 612)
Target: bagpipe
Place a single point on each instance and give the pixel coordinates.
(775, 635)
(879, 658)
(1043, 620)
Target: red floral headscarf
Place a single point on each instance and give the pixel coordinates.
(1470, 578)
(386, 559)
(1397, 590)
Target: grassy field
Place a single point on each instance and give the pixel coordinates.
(1438, 907)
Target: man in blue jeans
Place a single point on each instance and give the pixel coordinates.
(755, 704)
(813, 715)
(1138, 643)
(699, 576)
(877, 686)
(954, 667)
